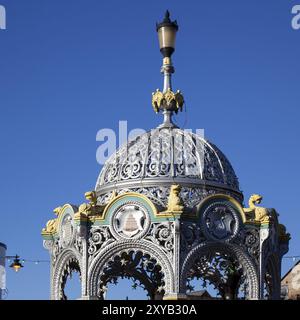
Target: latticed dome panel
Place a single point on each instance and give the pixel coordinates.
(168, 153)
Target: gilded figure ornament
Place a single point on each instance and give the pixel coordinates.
(57, 211)
(175, 204)
(51, 226)
(256, 213)
(91, 197)
(91, 208)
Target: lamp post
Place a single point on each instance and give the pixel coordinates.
(167, 101)
(166, 31)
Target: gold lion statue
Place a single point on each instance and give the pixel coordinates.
(260, 214)
(92, 208)
(51, 225)
(174, 201)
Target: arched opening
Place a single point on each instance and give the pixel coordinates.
(126, 289)
(143, 272)
(66, 278)
(70, 268)
(219, 274)
(215, 271)
(72, 289)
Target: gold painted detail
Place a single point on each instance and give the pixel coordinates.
(168, 100)
(51, 226)
(91, 209)
(86, 211)
(175, 204)
(167, 61)
(261, 215)
(257, 214)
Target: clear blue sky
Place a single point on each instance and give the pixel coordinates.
(70, 68)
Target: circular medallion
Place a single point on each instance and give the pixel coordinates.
(220, 221)
(130, 220)
(66, 230)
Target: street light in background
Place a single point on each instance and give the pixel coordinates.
(16, 265)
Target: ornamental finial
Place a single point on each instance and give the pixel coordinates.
(167, 100)
(167, 15)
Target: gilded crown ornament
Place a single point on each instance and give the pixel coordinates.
(169, 100)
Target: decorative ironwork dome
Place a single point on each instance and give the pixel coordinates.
(153, 161)
(168, 214)
(164, 156)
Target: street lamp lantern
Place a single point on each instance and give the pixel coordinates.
(16, 265)
(167, 35)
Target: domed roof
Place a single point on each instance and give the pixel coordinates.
(150, 163)
(167, 155)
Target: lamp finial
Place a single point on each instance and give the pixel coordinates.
(167, 100)
(167, 15)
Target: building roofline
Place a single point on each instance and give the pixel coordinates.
(290, 270)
